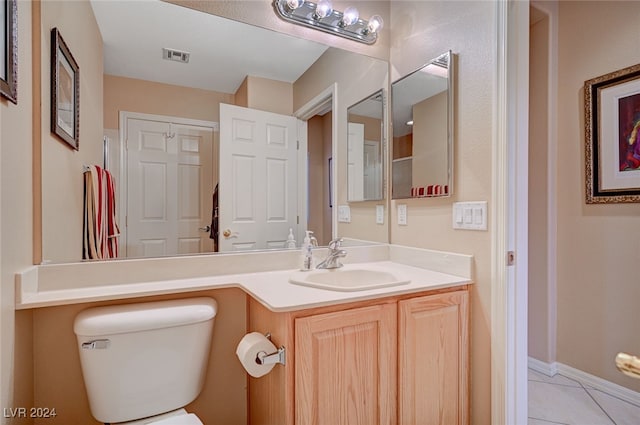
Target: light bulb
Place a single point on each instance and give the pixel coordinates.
(294, 4)
(323, 9)
(350, 16)
(375, 23)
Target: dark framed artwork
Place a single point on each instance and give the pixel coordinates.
(612, 137)
(65, 92)
(9, 50)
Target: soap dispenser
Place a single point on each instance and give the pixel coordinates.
(291, 242)
(307, 251)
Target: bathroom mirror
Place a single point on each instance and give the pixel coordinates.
(422, 117)
(365, 147)
(242, 65)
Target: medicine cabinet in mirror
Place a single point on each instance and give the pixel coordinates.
(365, 149)
(166, 116)
(422, 114)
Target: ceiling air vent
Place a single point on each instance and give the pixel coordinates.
(175, 55)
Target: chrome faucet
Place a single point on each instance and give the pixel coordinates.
(335, 253)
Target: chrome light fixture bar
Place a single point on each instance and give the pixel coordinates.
(323, 17)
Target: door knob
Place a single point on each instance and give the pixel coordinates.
(226, 233)
(206, 228)
(628, 364)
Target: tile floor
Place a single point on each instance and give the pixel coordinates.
(564, 401)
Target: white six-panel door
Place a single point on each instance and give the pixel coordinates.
(355, 161)
(258, 179)
(170, 183)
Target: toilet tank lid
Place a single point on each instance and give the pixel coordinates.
(124, 318)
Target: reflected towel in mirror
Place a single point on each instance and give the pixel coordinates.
(100, 229)
(430, 191)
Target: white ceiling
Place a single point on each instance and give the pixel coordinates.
(223, 52)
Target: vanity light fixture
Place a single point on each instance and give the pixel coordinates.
(323, 17)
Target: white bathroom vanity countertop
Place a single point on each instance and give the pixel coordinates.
(271, 288)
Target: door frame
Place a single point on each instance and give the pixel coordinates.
(326, 100)
(509, 289)
(122, 151)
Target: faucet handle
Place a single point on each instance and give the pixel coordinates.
(335, 243)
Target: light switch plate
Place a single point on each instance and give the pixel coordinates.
(402, 214)
(344, 214)
(470, 215)
(379, 214)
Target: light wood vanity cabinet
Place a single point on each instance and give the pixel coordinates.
(433, 359)
(398, 360)
(346, 367)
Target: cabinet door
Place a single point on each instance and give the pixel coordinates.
(346, 367)
(433, 360)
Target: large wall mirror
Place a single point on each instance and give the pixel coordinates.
(365, 147)
(164, 85)
(422, 114)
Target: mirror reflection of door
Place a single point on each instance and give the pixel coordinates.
(372, 170)
(258, 191)
(170, 181)
(364, 155)
(355, 161)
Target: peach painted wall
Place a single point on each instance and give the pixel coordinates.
(131, 95)
(421, 31)
(62, 167)
(242, 94)
(326, 154)
(270, 95)
(430, 160)
(541, 340)
(597, 278)
(16, 226)
(319, 148)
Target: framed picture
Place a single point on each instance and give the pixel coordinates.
(612, 137)
(9, 50)
(65, 92)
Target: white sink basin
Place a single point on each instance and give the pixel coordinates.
(347, 279)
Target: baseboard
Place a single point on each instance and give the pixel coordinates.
(586, 379)
(549, 369)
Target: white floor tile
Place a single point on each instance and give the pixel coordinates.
(620, 411)
(533, 421)
(556, 379)
(564, 404)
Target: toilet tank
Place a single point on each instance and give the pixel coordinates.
(144, 359)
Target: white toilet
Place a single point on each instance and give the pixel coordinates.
(142, 363)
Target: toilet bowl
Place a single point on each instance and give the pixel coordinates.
(142, 363)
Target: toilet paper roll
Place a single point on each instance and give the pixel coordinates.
(249, 347)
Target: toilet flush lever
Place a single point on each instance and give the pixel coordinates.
(97, 344)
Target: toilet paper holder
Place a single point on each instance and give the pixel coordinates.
(279, 356)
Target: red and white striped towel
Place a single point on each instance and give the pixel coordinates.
(430, 191)
(100, 240)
